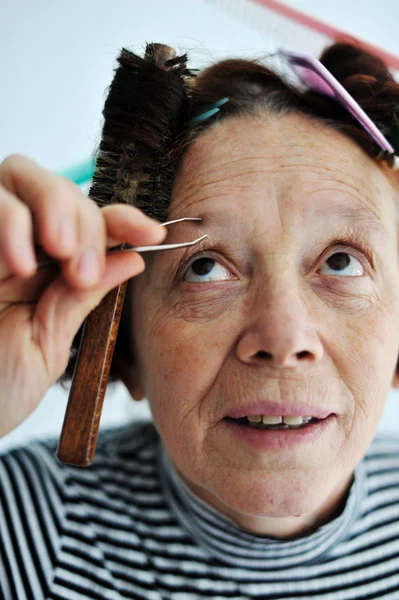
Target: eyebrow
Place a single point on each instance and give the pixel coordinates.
(354, 216)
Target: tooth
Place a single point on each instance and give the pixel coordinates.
(255, 418)
(268, 420)
(291, 420)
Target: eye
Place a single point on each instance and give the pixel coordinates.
(342, 263)
(206, 269)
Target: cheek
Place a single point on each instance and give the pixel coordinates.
(181, 367)
(367, 362)
(378, 345)
(181, 359)
(183, 345)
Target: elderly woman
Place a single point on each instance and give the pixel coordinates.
(266, 353)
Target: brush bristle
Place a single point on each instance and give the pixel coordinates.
(143, 114)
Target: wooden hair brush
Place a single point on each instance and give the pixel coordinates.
(143, 113)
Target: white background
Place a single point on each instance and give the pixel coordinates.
(57, 59)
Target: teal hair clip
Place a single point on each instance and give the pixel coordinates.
(211, 110)
(80, 173)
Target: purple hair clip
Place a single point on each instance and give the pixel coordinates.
(315, 76)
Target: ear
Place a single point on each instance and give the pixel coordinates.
(395, 379)
(130, 377)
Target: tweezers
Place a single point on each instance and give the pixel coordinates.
(126, 248)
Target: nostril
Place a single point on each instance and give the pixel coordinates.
(267, 356)
(263, 354)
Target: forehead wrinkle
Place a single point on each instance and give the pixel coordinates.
(354, 216)
(210, 166)
(206, 170)
(176, 206)
(277, 167)
(360, 181)
(194, 193)
(191, 193)
(366, 213)
(197, 189)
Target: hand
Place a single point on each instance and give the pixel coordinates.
(42, 310)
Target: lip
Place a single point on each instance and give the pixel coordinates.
(263, 440)
(276, 409)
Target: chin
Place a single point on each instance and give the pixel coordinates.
(275, 497)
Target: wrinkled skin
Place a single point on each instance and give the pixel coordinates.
(272, 318)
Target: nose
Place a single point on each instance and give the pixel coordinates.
(280, 333)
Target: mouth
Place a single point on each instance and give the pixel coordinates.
(273, 423)
(266, 410)
(278, 436)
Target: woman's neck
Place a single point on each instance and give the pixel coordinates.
(284, 528)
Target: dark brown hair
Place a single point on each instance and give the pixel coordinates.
(255, 89)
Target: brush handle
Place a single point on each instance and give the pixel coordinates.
(79, 434)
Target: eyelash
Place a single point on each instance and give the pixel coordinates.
(351, 243)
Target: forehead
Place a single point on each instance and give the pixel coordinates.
(284, 158)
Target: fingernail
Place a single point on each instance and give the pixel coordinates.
(89, 268)
(67, 234)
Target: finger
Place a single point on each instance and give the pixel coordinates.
(130, 225)
(86, 268)
(120, 223)
(68, 224)
(61, 310)
(53, 200)
(16, 237)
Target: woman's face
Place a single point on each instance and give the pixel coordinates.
(259, 312)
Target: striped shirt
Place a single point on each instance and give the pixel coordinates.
(128, 527)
